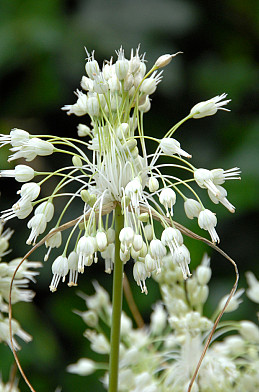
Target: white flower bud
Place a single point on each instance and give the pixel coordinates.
(164, 60)
(210, 107)
(149, 232)
(249, 331)
(122, 130)
(137, 242)
(167, 197)
(77, 161)
(121, 68)
(153, 184)
(203, 274)
(83, 367)
(83, 130)
(192, 208)
(171, 146)
(92, 67)
(90, 318)
(146, 106)
(158, 319)
(128, 82)
(101, 239)
(148, 86)
(110, 235)
(87, 84)
(126, 236)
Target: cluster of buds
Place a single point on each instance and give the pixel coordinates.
(20, 290)
(163, 356)
(115, 97)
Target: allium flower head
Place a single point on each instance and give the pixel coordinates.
(112, 167)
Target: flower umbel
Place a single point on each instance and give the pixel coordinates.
(120, 173)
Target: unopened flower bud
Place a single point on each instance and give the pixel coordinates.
(153, 184)
(77, 162)
(164, 60)
(83, 130)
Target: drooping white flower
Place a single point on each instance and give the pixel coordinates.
(59, 270)
(192, 208)
(72, 268)
(37, 224)
(207, 220)
(85, 250)
(210, 107)
(167, 197)
(140, 274)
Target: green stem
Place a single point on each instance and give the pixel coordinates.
(116, 306)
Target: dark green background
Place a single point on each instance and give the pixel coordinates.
(41, 64)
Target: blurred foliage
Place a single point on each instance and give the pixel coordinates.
(41, 63)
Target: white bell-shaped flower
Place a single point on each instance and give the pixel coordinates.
(85, 250)
(172, 238)
(167, 197)
(133, 190)
(59, 270)
(53, 242)
(192, 208)
(153, 184)
(101, 240)
(126, 237)
(140, 274)
(73, 269)
(37, 224)
(46, 208)
(182, 257)
(157, 251)
(207, 220)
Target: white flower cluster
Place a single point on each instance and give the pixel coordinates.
(162, 356)
(20, 290)
(115, 97)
